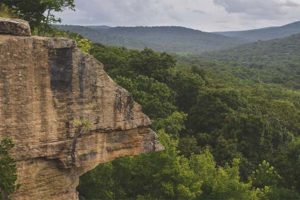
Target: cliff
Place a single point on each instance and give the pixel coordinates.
(47, 85)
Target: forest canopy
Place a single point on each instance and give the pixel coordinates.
(226, 137)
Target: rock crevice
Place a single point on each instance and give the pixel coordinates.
(46, 84)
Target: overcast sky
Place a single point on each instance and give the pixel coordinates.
(206, 15)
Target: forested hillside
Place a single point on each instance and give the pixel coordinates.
(225, 137)
(265, 33)
(274, 61)
(169, 39)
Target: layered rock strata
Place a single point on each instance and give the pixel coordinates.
(47, 87)
(14, 27)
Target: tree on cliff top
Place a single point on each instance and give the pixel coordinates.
(5, 11)
(8, 170)
(39, 13)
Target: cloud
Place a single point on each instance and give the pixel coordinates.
(207, 15)
(291, 4)
(199, 11)
(266, 9)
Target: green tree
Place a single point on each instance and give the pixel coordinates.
(39, 13)
(8, 170)
(266, 179)
(289, 164)
(156, 97)
(5, 11)
(224, 110)
(153, 64)
(220, 183)
(187, 86)
(172, 124)
(265, 175)
(188, 146)
(164, 175)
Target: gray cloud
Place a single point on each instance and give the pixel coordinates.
(291, 4)
(201, 12)
(264, 9)
(207, 15)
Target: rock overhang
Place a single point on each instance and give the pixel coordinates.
(46, 84)
(15, 27)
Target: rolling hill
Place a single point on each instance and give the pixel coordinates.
(273, 61)
(170, 39)
(265, 33)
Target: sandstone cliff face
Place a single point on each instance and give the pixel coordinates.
(46, 84)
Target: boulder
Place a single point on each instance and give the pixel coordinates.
(15, 27)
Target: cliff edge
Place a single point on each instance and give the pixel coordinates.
(48, 84)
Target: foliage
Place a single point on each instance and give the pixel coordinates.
(199, 109)
(157, 98)
(289, 164)
(166, 175)
(273, 61)
(240, 121)
(8, 170)
(84, 44)
(266, 179)
(5, 11)
(86, 124)
(265, 175)
(162, 175)
(173, 124)
(39, 13)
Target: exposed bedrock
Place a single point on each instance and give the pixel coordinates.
(45, 85)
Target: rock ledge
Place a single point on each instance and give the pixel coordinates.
(46, 85)
(15, 27)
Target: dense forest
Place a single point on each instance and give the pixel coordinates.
(274, 61)
(226, 137)
(230, 128)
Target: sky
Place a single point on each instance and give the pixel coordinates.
(205, 15)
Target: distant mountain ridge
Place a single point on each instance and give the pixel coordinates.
(176, 39)
(268, 33)
(276, 50)
(171, 39)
